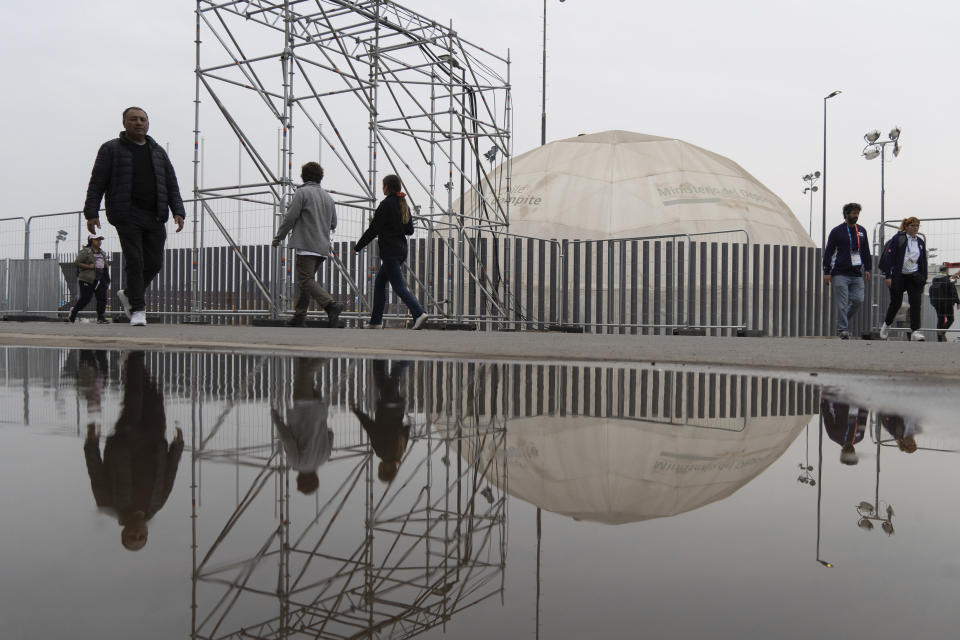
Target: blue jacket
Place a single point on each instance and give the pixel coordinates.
(840, 244)
(113, 175)
(891, 263)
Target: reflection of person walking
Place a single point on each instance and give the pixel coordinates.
(306, 438)
(904, 266)
(387, 432)
(94, 278)
(846, 266)
(943, 297)
(310, 218)
(391, 225)
(136, 474)
(846, 425)
(140, 185)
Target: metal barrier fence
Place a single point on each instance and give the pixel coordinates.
(718, 282)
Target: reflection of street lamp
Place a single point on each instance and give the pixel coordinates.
(878, 148)
(811, 188)
(870, 513)
(820, 493)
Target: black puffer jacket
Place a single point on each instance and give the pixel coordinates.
(113, 174)
(389, 231)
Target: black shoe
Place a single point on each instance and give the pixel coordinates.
(71, 317)
(102, 321)
(333, 315)
(297, 322)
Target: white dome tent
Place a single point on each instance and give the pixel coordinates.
(625, 231)
(619, 184)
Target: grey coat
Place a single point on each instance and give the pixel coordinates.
(310, 218)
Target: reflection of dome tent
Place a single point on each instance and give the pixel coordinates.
(615, 471)
(619, 184)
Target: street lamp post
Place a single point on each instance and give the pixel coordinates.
(811, 188)
(61, 236)
(878, 148)
(823, 188)
(543, 89)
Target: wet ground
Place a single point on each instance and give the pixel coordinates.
(396, 498)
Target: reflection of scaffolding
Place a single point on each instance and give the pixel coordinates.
(432, 542)
(419, 100)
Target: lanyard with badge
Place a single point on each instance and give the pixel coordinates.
(854, 255)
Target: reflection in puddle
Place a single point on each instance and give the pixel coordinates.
(334, 497)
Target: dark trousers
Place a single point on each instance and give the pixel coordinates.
(944, 320)
(142, 238)
(389, 271)
(88, 291)
(307, 267)
(913, 284)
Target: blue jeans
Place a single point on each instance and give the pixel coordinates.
(390, 271)
(847, 298)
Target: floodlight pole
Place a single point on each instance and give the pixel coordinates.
(543, 78)
(823, 185)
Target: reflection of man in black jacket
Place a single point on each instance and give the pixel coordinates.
(137, 470)
(387, 432)
(305, 436)
(845, 425)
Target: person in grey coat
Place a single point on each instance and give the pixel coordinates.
(311, 216)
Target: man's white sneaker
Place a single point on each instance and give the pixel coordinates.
(419, 322)
(375, 326)
(138, 319)
(917, 337)
(884, 331)
(124, 302)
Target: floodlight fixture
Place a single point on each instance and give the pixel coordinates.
(871, 152)
(492, 153)
(872, 136)
(816, 174)
(894, 133)
(833, 93)
(896, 149)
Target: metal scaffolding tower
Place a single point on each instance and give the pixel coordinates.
(369, 559)
(384, 89)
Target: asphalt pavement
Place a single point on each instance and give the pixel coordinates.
(813, 355)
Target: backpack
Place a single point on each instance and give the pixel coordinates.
(940, 291)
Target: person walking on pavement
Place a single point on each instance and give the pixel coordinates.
(943, 297)
(846, 266)
(310, 218)
(135, 174)
(904, 266)
(94, 278)
(391, 224)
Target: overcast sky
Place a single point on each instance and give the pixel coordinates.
(743, 78)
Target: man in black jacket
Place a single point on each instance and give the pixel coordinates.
(846, 266)
(136, 175)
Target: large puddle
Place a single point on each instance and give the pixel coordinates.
(353, 498)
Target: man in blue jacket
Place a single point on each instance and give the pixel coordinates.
(846, 266)
(135, 174)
